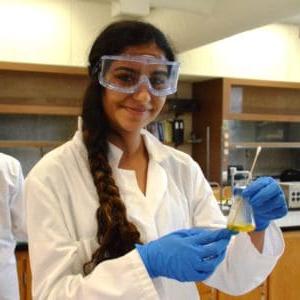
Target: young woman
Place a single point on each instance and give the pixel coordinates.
(115, 214)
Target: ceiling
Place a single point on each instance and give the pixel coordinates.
(193, 23)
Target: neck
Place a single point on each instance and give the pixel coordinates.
(130, 144)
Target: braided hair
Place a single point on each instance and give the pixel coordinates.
(116, 235)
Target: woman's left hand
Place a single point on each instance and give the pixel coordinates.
(267, 200)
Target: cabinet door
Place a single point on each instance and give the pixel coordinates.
(28, 278)
(206, 292)
(24, 274)
(285, 279)
(261, 100)
(258, 294)
(207, 125)
(22, 267)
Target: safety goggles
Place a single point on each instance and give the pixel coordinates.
(125, 74)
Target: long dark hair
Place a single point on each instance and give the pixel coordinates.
(116, 235)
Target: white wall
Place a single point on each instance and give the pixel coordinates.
(271, 52)
(50, 31)
(61, 32)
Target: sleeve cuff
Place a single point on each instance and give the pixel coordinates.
(148, 290)
(274, 242)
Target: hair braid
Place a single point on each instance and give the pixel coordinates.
(116, 235)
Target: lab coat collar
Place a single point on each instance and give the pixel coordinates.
(154, 147)
(156, 150)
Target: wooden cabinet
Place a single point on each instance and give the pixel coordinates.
(261, 100)
(206, 292)
(39, 105)
(284, 282)
(235, 116)
(24, 274)
(41, 89)
(260, 293)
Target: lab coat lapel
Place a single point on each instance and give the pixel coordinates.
(156, 185)
(157, 179)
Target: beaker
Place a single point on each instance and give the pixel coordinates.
(240, 216)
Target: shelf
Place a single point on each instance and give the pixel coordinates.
(271, 145)
(52, 144)
(42, 68)
(262, 117)
(41, 89)
(195, 141)
(40, 109)
(29, 144)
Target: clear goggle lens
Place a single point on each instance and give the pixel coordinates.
(125, 74)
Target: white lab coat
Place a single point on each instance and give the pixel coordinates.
(12, 224)
(61, 204)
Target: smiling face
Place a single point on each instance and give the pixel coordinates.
(128, 113)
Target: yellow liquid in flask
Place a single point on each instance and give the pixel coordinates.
(241, 227)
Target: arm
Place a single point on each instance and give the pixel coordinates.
(244, 267)
(258, 239)
(57, 258)
(17, 206)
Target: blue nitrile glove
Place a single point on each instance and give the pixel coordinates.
(267, 200)
(185, 255)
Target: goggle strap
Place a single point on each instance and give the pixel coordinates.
(96, 67)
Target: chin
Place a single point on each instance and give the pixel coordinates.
(132, 128)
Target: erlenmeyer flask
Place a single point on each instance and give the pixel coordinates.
(240, 217)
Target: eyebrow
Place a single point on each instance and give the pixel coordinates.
(125, 69)
(160, 72)
(132, 70)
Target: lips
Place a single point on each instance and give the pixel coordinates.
(137, 109)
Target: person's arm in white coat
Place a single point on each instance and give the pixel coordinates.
(17, 205)
(57, 260)
(244, 267)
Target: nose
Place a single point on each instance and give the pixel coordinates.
(142, 93)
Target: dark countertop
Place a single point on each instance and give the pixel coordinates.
(21, 246)
(290, 228)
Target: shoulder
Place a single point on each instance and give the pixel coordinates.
(59, 162)
(9, 164)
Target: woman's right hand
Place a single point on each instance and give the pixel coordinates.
(185, 255)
